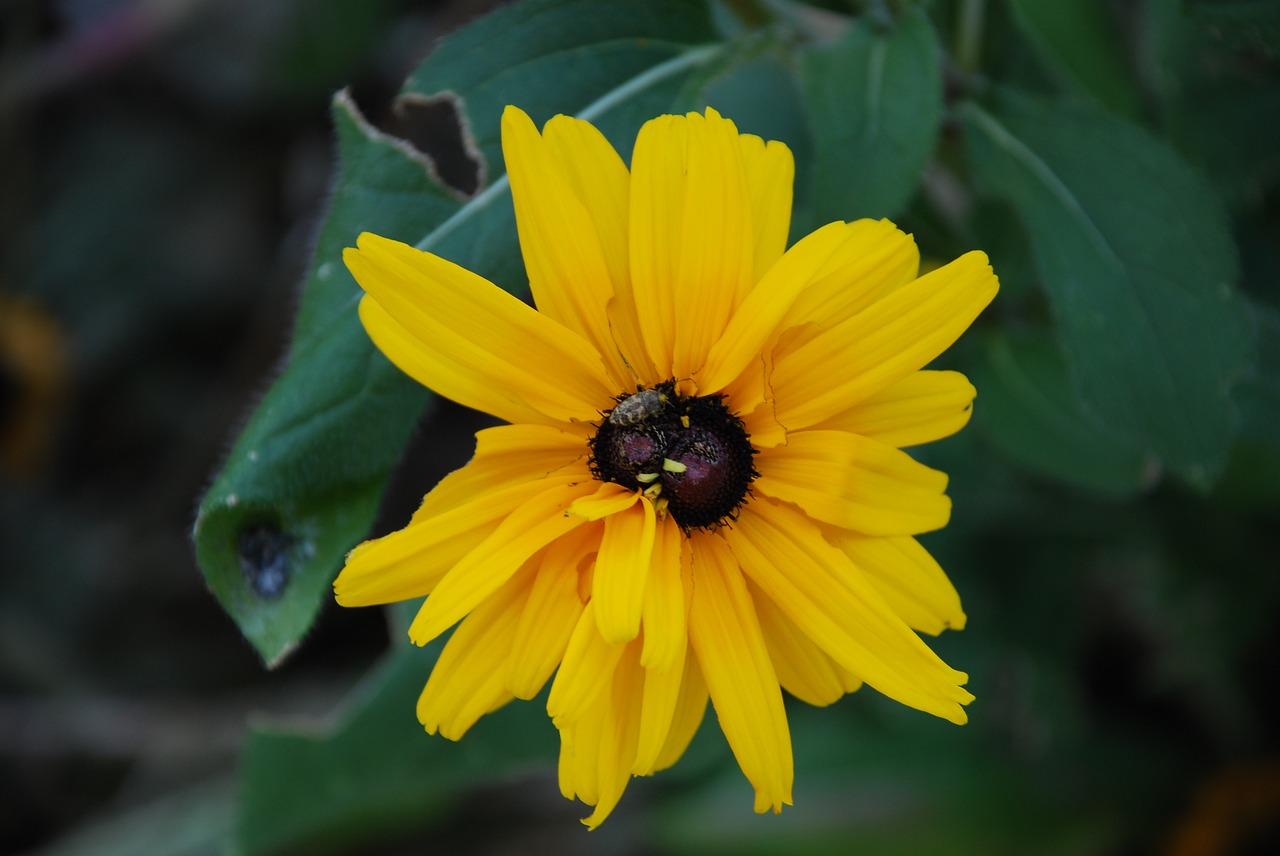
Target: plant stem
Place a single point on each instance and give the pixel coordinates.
(969, 35)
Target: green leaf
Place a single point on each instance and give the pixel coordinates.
(1028, 410)
(1081, 47)
(304, 479)
(875, 103)
(1241, 25)
(1135, 254)
(376, 774)
(302, 484)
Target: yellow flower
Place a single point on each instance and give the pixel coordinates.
(701, 493)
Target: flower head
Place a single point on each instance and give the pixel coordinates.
(701, 493)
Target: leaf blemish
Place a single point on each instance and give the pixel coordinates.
(263, 553)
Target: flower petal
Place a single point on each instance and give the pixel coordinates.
(803, 669)
(692, 242)
(467, 680)
(909, 579)
(770, 172)
(875, 259)
(827, 276)
(569, 275)
(495, 339)
(726, 637)
(618, 736)
(855, 483)
(608, 498)
(512, 463)
(657, 202)
(665, 625)
(447, 377)
(756, 320)
(880, 345)
(691, 707)
(530, 527)
(580, 680)
(596, 750)
(825, 595)
(922, 407)
(622, 570)
(506, 455)
(715, 268)
(601, 181)
(658, 711)
(550, 613)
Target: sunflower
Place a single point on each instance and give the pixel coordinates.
(701, 492)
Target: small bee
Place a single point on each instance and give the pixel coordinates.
(640, 407)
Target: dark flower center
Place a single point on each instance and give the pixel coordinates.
(691, 456)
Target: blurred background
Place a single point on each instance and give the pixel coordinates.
(163, 166)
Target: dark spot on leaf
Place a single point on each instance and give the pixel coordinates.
(433, 126)
(263, 551)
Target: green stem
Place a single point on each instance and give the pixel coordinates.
(969, 35)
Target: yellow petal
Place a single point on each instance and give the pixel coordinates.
(585, 671)
(882, 344)
(756, 321)
(855, 483)
(824, 594)
(579, 766)
(802, 667)
(512, 464)
(618, 737)
(600, 180)
(657, 197)
(530, 527)
(909, 579)
(622, 570)
(658, 711)
(608, 498)
(665, 628)
(715, 266)
(827, 276)
(447, 377)
(552, 610)
(726, 637)
(692, 242)
(771, 172)
(467, 680)
(691, 707)
(922, 407)
(876, 258)
(494, 338)
(411, 562)
(569, 275)
(507, 455)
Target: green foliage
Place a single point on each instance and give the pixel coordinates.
(1028, 411)
(1135, 253)
(1113, 364)
(375, 773)
(875, 103)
